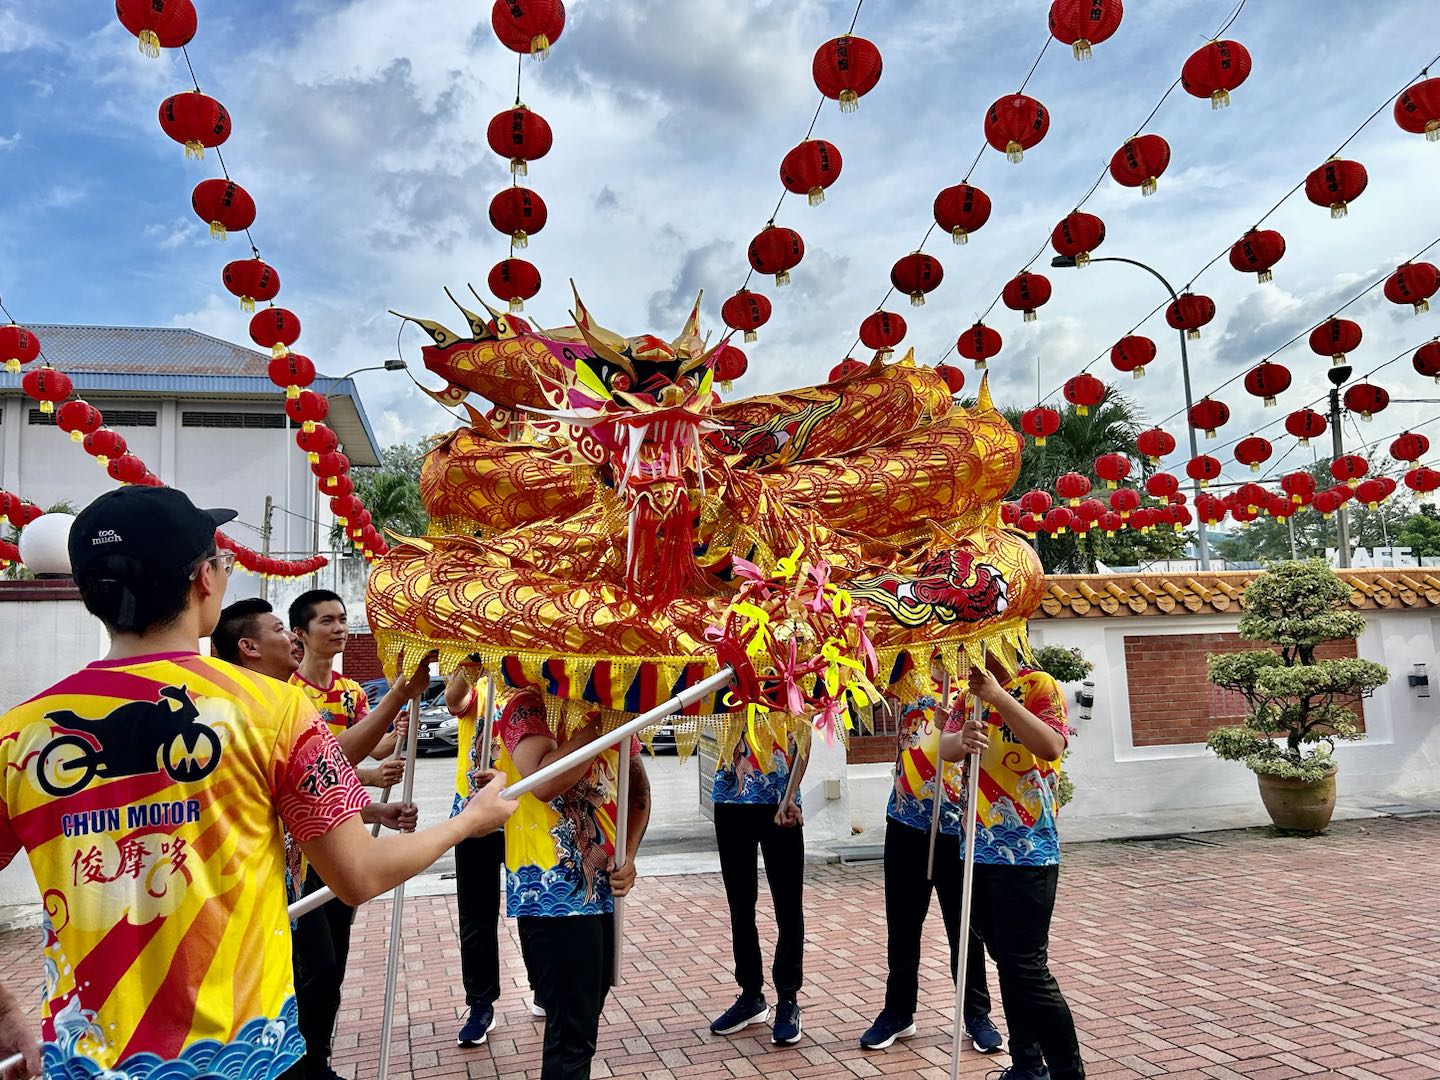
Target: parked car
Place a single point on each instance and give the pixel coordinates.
(439, 731)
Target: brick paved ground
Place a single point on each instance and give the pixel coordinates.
(1242, 956)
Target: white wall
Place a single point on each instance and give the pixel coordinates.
(1400, 755)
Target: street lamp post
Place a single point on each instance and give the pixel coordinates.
(1068, 261)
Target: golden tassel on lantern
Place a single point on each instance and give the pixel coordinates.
(308, 426)
(1030, 315)
(1148, 187)
(1338, 210)
(1138, 373)
(102, 460)
(49, 407)
(195, 149)
(1082, 410)
(247, 305)
(1083, 259)
(917, 299)
(292, 391)
(149, 43)
(1014, 152)
(13, 366)
(782, 278)
(312, 457)
(77, 436)
(1081, 49)
(519, 167)
(726, 385)
(817, 195)
(539, 50)
(1193, 333)
(1039, 440)
(517, 305)
(520, 238)
(1263, 276)
(1254, 466)
(849, 101)
(217, 230)
(1220, 99)
(981, 364)
(1421, 306)
(279, 349)
(750, 335)
(959, 236)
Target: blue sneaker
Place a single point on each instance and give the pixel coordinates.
(886, 1029)
(787, 1024)
(748, 1009)
(984, 1035)
(477, 1029)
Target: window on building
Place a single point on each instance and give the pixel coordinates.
(232, 420)
(113, 417)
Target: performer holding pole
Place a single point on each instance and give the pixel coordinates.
(1012, 851)
(219, 760)
(757, 806)
(938, 802)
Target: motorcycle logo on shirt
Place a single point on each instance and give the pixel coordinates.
(135, 739)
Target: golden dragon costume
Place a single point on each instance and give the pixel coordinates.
(595, 533)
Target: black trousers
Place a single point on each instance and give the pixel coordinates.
(571, 960)
(477, 894)
(740, 828)
(1012, 909)
(321, 949)
(907, 903)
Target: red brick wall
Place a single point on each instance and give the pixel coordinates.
(1172, 702)
(361, 663)
(869, 749)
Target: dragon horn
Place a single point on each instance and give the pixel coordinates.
(982, 400)
(690, 334)
(438, 334)
(602, 349)
(504, 328)
(477, 324)
(581, 315)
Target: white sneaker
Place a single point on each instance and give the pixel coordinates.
(535, 1010)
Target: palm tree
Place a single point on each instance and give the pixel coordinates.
(391, 493)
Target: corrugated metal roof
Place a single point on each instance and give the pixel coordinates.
(150, 350)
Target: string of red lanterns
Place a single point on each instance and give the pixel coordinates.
(200, 122)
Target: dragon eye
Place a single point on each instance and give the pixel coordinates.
(620, 381)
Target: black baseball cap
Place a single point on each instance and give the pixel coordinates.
(159, 527)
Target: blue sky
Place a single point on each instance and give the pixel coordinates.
(359, 129)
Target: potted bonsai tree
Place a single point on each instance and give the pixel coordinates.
(1295, 701)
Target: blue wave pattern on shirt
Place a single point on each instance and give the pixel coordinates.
(1009, 841)
(917, 813)
(263, 1049)
(761, 789)
(557, 891)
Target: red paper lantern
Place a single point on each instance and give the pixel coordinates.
(1085, 392)
(127, 469)
(520, 135)
(849, 368)
(1010, 513)
(1131, 353)
(1026, 292)
(1279, 506)
(345, 507)
(1413, 283)
(1370, 492)
(1040, 423)
(1162, 485)
(337, 486)
(307, 409)
(1031, 523)
(276, 329)
(319, 440)
(22, 512)
(1072, 487)
(1334, 338)
(1349, 468)
(330, 463)
(953, 376)
(1112, 468)
(810, 168)
(251, 280)
(1327, 502)
(1251, 495)
(846, 69)
(292, 371)
(1155, 443)
(1077, 235)
(1211, 510)
(79, 418)
(960, 210)
(1258, 250)
(17, 346)
(1336, 184)
(47, 386)
(729, 363)
(528, 26)
(1253, 451)
(1207, 414)
(103, 444)
(1015, 123)
(1083, 23)
(882, 331)
(514, 281)
(1036, 502)
(519, 213)
(979, 343)
(1090, 511)
(1266, 380)
(776, 250)
(1422, 480)
(1111, 522)
(1366, 399)
(1202, 468)
(747, 311)
(1058, 520)
(1125, 501)
(1189, 312)
(1417, 109)
(1409, 447)
(917, 274)
(195, 121)
(158, 24)
(1305, 424)
(1214, 70)
(1427, 359)
(1300, 486)
(224, 205)
(1140, 162)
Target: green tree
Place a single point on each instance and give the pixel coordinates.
(1112, 428)
(1294, 699)
(391, 492)
(1421, 532)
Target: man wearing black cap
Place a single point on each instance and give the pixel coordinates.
(149, 790)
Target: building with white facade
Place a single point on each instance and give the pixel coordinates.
(203, 415)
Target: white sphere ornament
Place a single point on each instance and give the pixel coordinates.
(44, 544)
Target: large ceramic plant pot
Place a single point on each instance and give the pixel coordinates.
(1299, 805)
